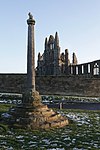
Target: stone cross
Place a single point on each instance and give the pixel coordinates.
(31, 55)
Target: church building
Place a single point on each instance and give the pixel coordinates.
(52, 61)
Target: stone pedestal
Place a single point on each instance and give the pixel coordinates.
(35, 115)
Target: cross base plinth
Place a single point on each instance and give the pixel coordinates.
(35, 115)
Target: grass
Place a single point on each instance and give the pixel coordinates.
(83, 133)
(5, 107)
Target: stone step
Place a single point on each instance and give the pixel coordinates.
(54, 117)
(42, 108)
(38, 118)
(54, 124)
(48, 113)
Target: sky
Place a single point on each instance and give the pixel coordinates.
(76, 21)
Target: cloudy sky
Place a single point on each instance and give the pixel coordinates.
(76, 21)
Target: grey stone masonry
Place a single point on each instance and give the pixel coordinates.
(31, 55)
(52, 62)
(32, 114)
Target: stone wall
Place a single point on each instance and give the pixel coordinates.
(60, 85)
(12, 83)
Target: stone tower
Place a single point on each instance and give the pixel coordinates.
(49, 62)
(56, 55)
(67, 62)
(74, 59)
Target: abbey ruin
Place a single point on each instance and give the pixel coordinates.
(53, 62)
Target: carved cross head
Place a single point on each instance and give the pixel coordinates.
(30, 16)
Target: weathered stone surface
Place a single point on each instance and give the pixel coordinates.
(51, 85)
(32, 113)
(48, 113)
(31, 98)
(52, 62)
(36, 118)
(36, 115)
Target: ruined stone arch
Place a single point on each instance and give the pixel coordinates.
(96, 69)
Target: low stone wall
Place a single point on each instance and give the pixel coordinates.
(69, 85)
(15, 83)
(60, 85)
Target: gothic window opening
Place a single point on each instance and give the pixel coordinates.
(76, 69)
(89, 69)
(71, 69)
(96, 69)
(82, 69)
(51, 46)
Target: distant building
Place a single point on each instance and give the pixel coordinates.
(52, 62)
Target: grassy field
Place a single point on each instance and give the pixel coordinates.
(82, 134)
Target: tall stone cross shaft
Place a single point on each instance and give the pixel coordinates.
(31, 55)
(32, 113)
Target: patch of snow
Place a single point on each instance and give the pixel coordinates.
(5, 115)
